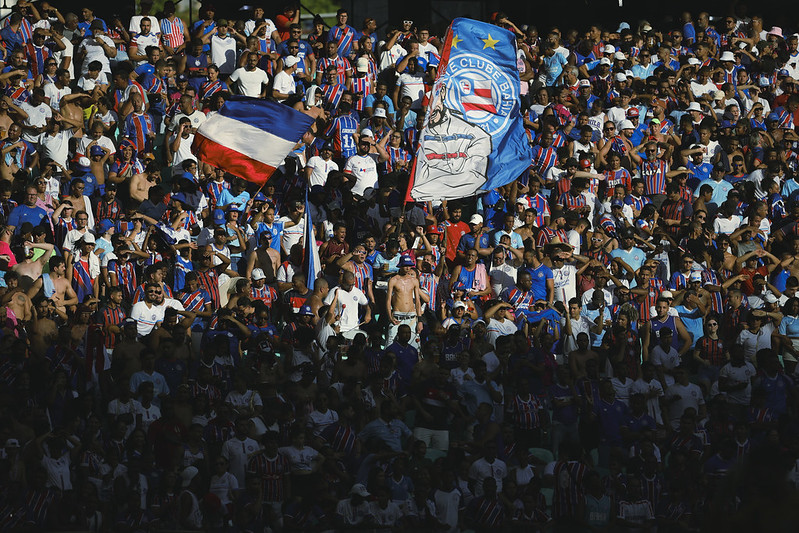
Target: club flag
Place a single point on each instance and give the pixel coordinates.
(473, 138)
(312, 262)
(250, 137)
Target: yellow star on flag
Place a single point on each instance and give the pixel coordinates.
(489, 43)
(455, 41)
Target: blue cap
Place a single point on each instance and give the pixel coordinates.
(181, 77)
(306, 310)
(616, 203)
(180, 197)
(773, 116)
(96, 150)
(407, 261)
(189, 176)
(783, 72)
(106, 224)
(727, 124)
(219, 217)
(260, 197)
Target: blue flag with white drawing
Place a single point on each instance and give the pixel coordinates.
(473, 139)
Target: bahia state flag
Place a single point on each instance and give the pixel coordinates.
(250, 137)
(473, 139)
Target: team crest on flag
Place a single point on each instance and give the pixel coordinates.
(473, 139)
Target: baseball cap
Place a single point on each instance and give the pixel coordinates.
(88, 238)
(764, 82)
(407, 261)
(362, 65)
(616, 203)
(695, 276)
(290, 61)
(433, 229)
(476, 219)
(584, 83)
(96, 150)
(219, 217)
(360, 490)
(181, 77)
(106, 224)
(633, 112)
(366, 132)
(604, 61)
(306, 310)
(773, 116)
(667, 295)
(585, 164)
(257, 274)
(379, 112)
(12, 443)
(327, 146)
(621, 76)
(770, 299)
(179, 197)
(459, 303)
(609, 49)
(189, 473)
(620, 56)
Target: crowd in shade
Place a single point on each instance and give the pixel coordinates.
(608, 342)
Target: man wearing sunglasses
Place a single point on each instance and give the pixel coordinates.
(149, 313)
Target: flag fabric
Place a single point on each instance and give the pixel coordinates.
(473, 139)
(312, 262)
(250, 137)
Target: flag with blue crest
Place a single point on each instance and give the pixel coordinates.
(473, 139)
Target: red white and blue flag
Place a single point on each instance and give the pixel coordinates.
(312, 263)
(250, 137)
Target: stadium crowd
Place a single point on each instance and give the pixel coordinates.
(607, 343)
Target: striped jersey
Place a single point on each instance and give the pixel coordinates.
(172, 32)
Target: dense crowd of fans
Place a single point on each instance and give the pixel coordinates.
(609, 342)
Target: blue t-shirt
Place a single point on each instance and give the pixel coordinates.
(634, 257)
(274, 232)
(553, 66)
(23, 213)
(540, 276)
(369, 101)
(227, 198)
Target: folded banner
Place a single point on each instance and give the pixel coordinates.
(313, 266)
(250, 137)
(473, 139)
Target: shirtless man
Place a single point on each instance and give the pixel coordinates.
(127, 353)
(404, 301)
(44, 330)
(140, 184)
(59, 289)
(16, 299)
(317, 299)
(264, 257)
(30, 269)
(579, 357)
(6, 121)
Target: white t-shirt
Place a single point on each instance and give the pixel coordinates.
(726, 225)
(249, 27)
(364, 169)
(496, 329)
(291, 235)
(59, 56)
(223, 53)
(347, 306)
(300, 460)
(565, 279)
(735, 376)
(238, 452)
(85, 141)
(95, 52)
(319, 170)
(689, 396)
(55, 94)
(146, 317)
(55, 147)
(412, 85)
(502, 277)
(197, 118)
(37, 118)
(640, 386)
(284, 83)
(182, 154)
(482, 469)
(700, 90)
(88, 84)
(250, 82)
(135, 24)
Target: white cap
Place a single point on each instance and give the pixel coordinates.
(366, 132)
(626, 125)
(379, 112)
(695, 276)
(620, 56)
(459, 303)
(621, 76)
(694, 106)
(666, 294)
(290, 61)
(187, 475)
(362, 65)
(584, 83)
(604, 61)
(360, 490)
(694, 61)
(718, 95)
(609, 49)
(770, 298)
(764, 82)
(727, 56)
(257, 274)
(646, 27)
(476, 219)
(88, 238)
(84, 161)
